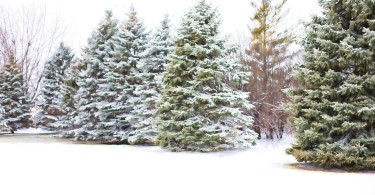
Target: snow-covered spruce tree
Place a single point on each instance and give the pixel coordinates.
(97, 62)
(132, 40)
(197, 110)
(13, 97)
(334, 110)
(51, 87)
(67, 102)
(153, 63)
(108, 79)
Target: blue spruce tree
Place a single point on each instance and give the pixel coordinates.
(152, 66)
(198, 111)
(51, 88)
(95, 66)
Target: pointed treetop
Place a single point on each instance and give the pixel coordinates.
(165, 23)
(200, 21)
(132, 22)
(107, 26)
(64, 52)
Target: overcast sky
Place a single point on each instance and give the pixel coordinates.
(82, 16)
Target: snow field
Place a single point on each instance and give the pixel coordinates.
(69, 169)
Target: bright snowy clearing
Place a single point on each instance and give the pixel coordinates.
(48, 166)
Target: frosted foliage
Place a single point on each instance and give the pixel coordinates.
(67, 102)
(198, 111)
(3, 125)
(97, 68)
(132, 40)
(152, 65)
(14, 101)
(52, 88)
(108, 78)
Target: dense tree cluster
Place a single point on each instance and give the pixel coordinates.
(136, 87)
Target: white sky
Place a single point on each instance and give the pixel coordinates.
(82, 16)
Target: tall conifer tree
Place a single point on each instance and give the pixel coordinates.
(13, 97)
(132, 41)
(96, 62)
(67, 102)
(152, 65)
(197, 110)
(334, 110)
(109, 75)
(51, 87)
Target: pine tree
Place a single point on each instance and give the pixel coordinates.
(197, 110)
(13, 97)
(110, 88)
(132, 42)
(153, 64)
(95, 64)
(67, 102)
(269, 59)
(51, 87)
(333, 112)
(108, 79)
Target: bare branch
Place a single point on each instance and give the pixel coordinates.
(30, 34)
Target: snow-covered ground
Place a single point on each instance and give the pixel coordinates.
(33, 131)
(46, 166)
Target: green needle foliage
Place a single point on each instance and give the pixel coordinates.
(334, 110)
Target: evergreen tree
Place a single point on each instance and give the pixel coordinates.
(269, 59)
(333, 112)
(110, 88)
(97, 57)
(13, 97)
(51, 87)
(67, 102)
(197, 110)
(102, 86)
(153, 63)
(108, 79)
(132, 42)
